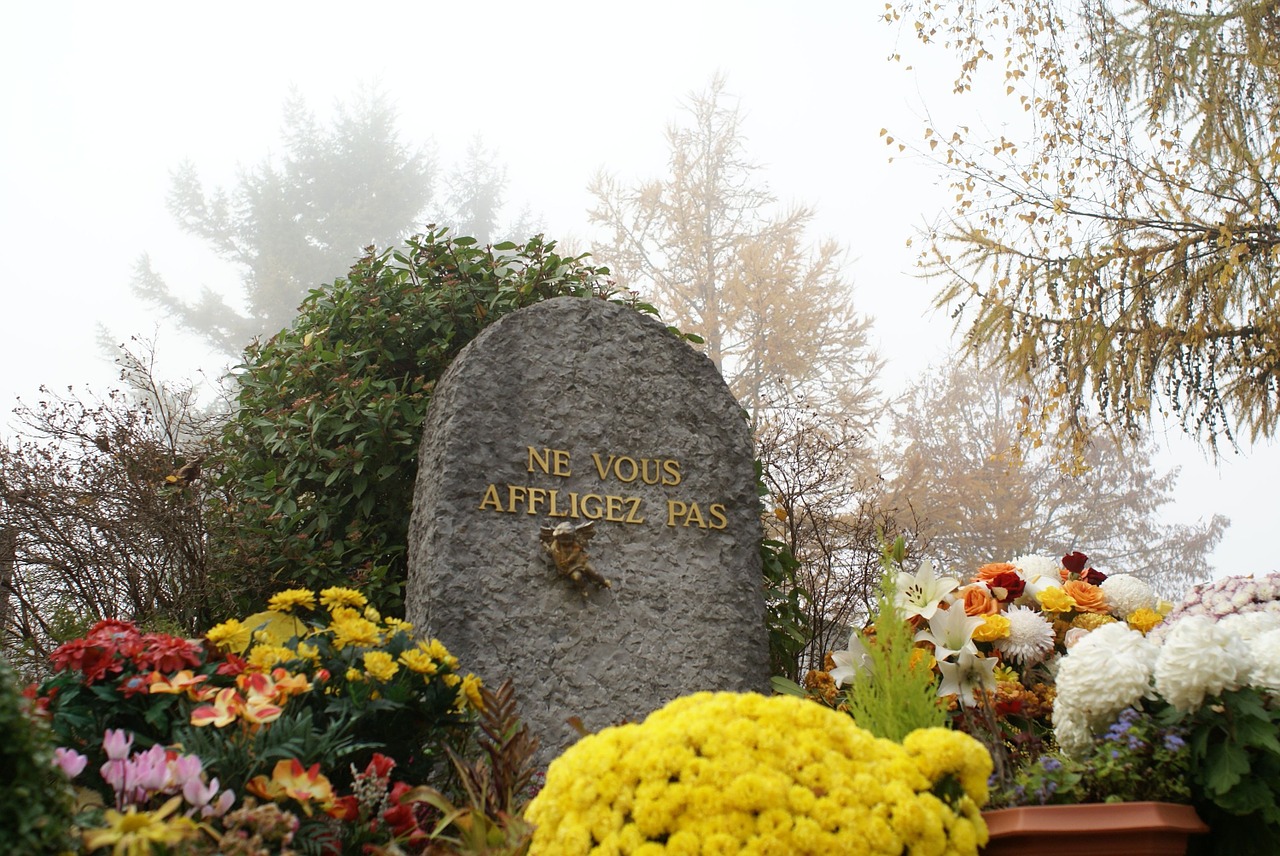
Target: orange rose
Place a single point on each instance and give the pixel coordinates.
(989, 572)
(978, 601)
(1088, 598)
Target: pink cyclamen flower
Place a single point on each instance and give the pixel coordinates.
(117, 743)
(71, 762)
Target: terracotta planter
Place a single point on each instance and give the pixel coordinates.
(1092, 829)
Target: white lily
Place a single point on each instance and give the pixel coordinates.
(851, 661)
(951, 632)
(921, 592)
(966, 677)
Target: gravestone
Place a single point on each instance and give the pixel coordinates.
(586, 521)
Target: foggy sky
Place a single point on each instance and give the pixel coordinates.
(100, 102)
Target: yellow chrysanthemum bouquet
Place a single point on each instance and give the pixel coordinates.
(742, 773)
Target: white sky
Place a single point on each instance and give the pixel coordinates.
(98, 102)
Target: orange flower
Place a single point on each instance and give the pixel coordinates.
(978, 600)
(290, 780)
(1088, 598)
(184, 681)
(989, 572)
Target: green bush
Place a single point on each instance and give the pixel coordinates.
(319, 463)
(35, 797)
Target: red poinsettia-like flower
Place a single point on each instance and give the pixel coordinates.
(118, 637)
(165, 653)
(93, 661)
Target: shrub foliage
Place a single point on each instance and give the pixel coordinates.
(321, 458)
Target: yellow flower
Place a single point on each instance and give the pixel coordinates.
(732, 773)
(418, 661)
(372, 614)
(380, 665)
(355, 631)
(993, 627)
(264, 658)
(307, 652)
(1054, 599)
(354, 675)
(1091, 620)
(1144, 619)
(398, 625)
(287, 601)
(471, 692)
(451, 680)
(291, 780)
(230, 635)
(339, 596)
(135, 832)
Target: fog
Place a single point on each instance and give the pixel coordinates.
(101, 102)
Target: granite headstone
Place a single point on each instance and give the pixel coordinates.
(585, 520)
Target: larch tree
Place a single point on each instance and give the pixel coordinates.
(293, 223)
(1127, 235)
(985, 488)
(709, 245)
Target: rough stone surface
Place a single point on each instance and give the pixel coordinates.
(685, 612)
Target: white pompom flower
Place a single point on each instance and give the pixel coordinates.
(1127, 594)
(1105, 672)
(1200, 657)
(1030, 637)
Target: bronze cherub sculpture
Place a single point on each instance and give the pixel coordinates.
(566, 546)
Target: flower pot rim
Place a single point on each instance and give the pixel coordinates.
(1086, 818)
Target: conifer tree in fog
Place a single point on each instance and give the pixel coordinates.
(293, 222)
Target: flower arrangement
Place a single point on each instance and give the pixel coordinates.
(728, 773)
(1212, 675)
(301, 712)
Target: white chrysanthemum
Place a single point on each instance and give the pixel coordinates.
(1250, 625)
(1127, 594)
(1105, 672)
(1030, 637)
(1266, 661)
(1199, 657)
(1071, 732)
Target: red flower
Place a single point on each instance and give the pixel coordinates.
(86, 657)
(1075, 562)
(1094, 578)
(345, 808)
(135, 685)
(232, 666)
(380, 766)
(165, 653)
(1006, 586)
(118, 637)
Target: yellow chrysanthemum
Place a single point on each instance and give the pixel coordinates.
(355, 631)
(380, 665)
(354, 675)
(471, 692)
(993, 627)
(287, 601)
(1054, 599)
(307, 652)
(451, 680)
(398, 625)
(1143, 620)
(419, 661)
(733, 773)
(264, 658)
(339, 596)
(230, 635)
(1091, 620)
